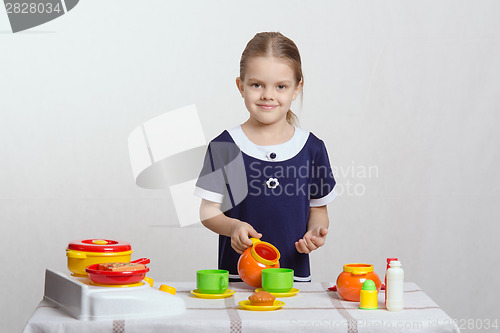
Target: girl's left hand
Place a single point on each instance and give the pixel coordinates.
(313, 239)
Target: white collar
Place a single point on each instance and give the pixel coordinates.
(282, 151)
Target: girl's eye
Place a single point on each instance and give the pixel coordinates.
(256, 85)
(281, 87)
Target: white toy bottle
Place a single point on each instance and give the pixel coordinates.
(394, 287)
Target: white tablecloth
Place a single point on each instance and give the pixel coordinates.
(314, 309)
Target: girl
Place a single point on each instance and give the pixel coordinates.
(267, 178)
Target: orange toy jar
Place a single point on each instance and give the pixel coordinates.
(350, 281)
(259, 256)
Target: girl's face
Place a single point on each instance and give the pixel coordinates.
(269, 88)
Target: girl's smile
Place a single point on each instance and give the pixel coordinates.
(267, 107)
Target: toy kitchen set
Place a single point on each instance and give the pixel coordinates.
(105, 284)
(103, 289)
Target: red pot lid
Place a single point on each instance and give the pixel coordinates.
(99, 245)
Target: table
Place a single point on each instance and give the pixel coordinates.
(314, 309)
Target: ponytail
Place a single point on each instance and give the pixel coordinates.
(292, 118)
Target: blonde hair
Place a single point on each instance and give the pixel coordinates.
(276, 45)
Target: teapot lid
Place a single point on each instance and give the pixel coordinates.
(358, 269)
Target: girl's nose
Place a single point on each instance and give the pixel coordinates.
(268, 93)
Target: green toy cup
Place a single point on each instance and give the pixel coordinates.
(212, 281)
(277, 280)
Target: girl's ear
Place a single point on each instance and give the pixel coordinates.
(298, 89)
(239, 84)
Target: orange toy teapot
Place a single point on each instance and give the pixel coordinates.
(350, 281)
(253, 260)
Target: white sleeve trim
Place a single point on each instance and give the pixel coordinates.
(324, 200)
(208, 195)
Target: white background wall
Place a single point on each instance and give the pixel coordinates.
(406, 89)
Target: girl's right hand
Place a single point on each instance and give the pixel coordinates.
(241, 232)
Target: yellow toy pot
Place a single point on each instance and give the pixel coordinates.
(85, 252)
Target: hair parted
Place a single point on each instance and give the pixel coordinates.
(276, 45)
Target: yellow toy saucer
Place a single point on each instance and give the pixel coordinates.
(246, 305)
(291, 292)
(229, 292)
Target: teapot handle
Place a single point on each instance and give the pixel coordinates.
(255, 241)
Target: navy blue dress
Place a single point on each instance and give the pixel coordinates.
(270, 187)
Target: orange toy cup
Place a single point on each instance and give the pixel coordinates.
(350, 281)
(259, 256)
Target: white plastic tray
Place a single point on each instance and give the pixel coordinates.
(80, 299)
